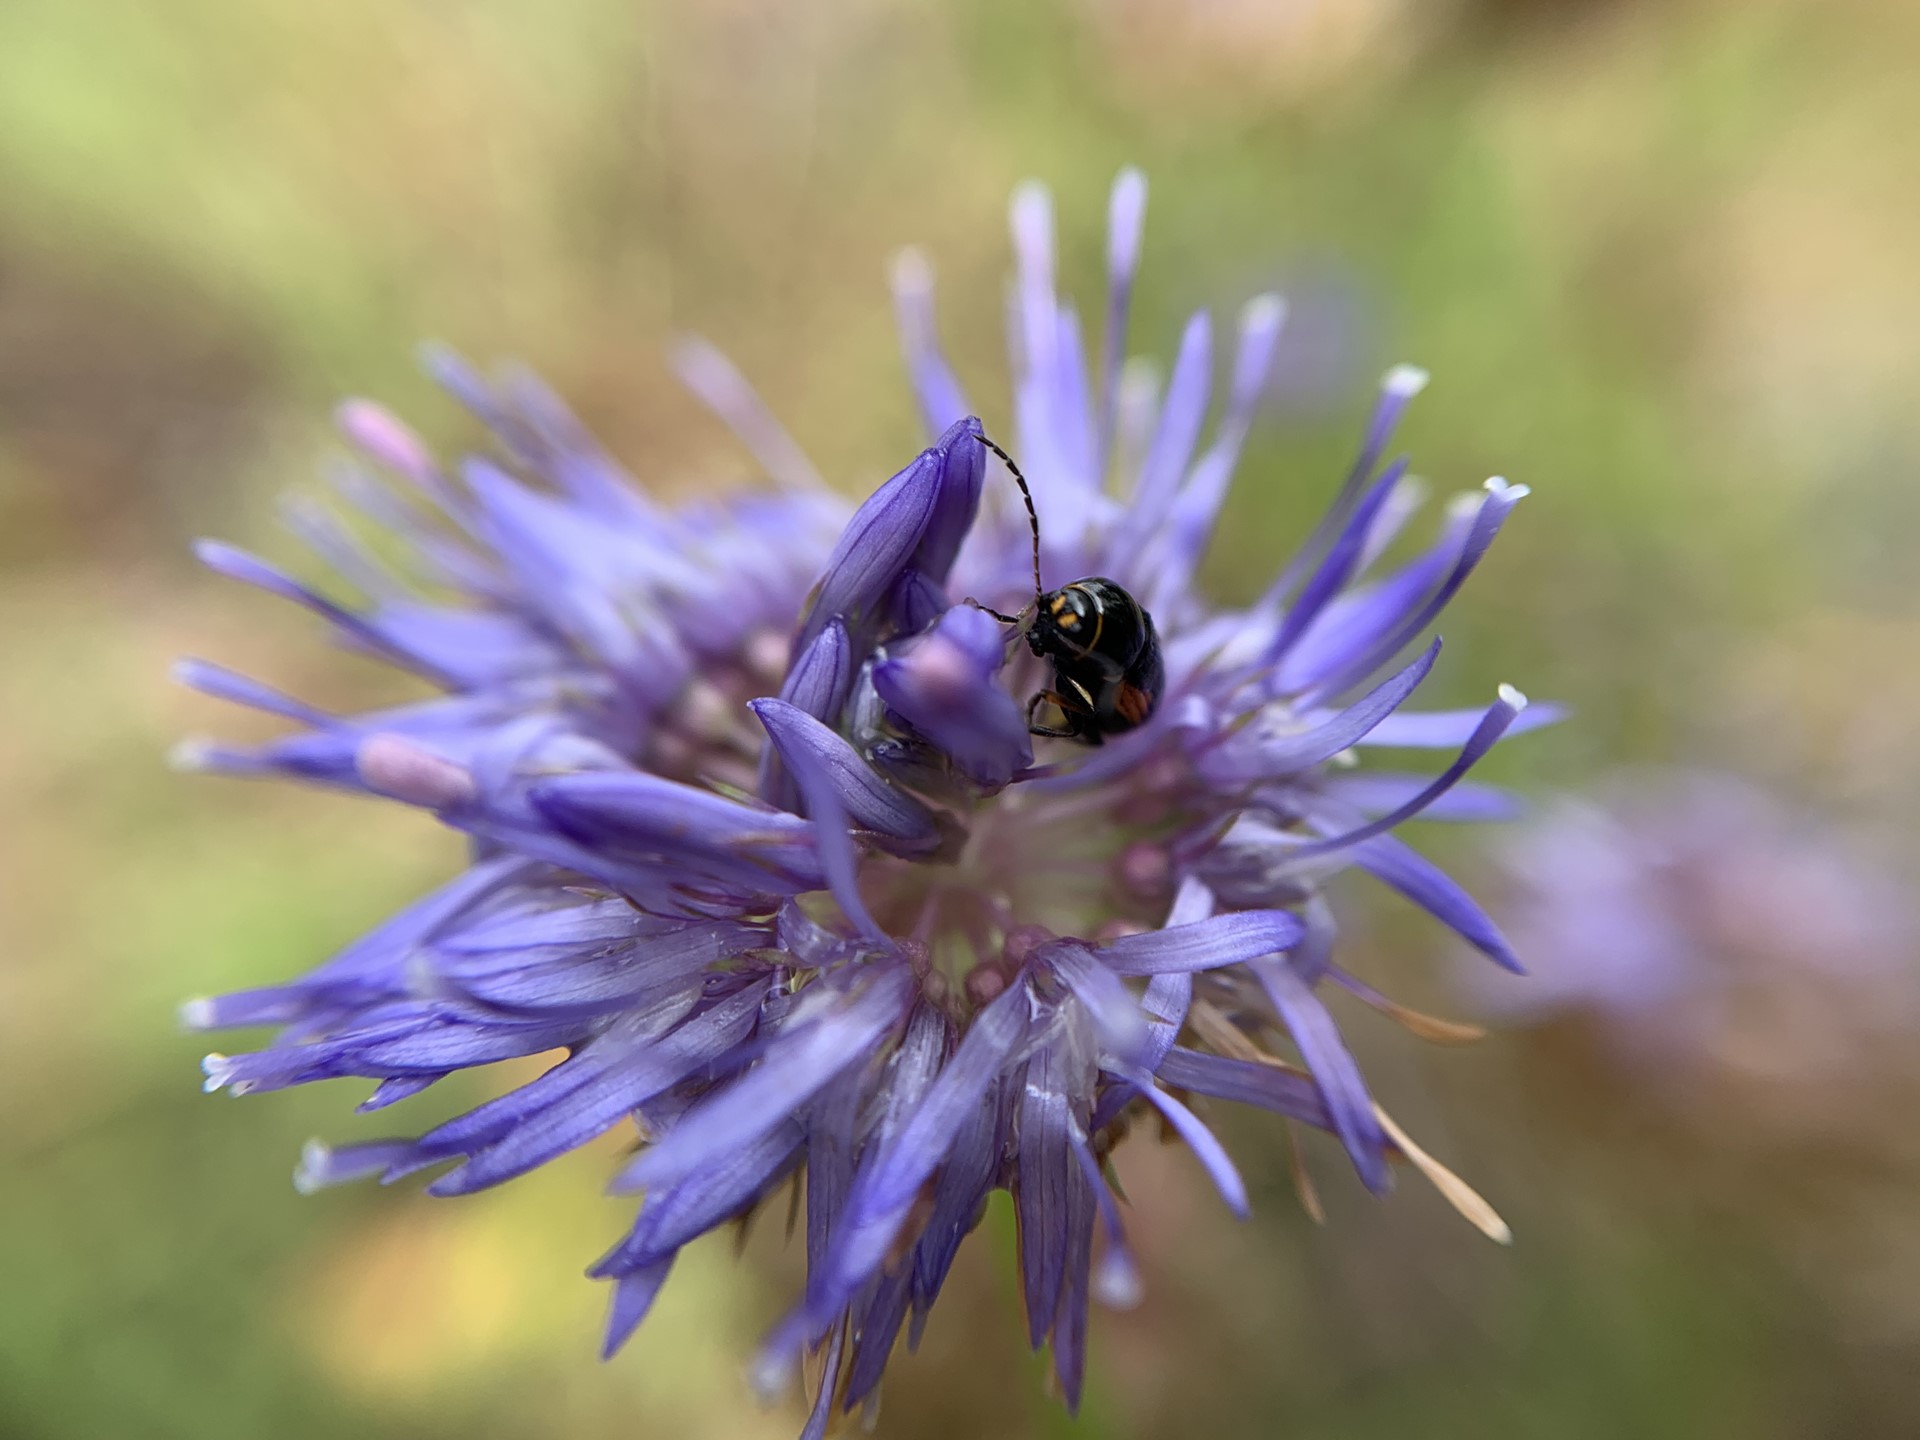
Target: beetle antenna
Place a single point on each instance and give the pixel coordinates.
(1033, 518)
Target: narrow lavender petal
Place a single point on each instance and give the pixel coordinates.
(237, 564)
(838, 857)
(833, 1140)
(638, 973)
(1490, 515)
(1394, 862)
(1181, 539)
(678, 1214)
(1356, 620)
(1402, 504)
(1399, 386)
(337, 547)
(1202, 1141)
(963, 462)
(371, 967)
(1492, 726)
(1247, 1083)
(875, 1334)
(1045, 1174)
(721, 387)
(876, 546)
(1030, 218)
(1167, 1000)
(1204, 945)
(322, 1165)
(941, 400)
(541, 927)
(647, 813)
(1070, 1318)
(573, 459)
(1116, 1284)
(916, 602)
(1341, 563)
(1126, 217)
(870, 802)
(1314, 957)
(884, 1192)
(237, 689)
(633, 1297)
(1334, 1070)
(1469, 802)
(945, 686)
(822, 1413)
(793, 1070)
(1192, 903)
(1261, 320)
(817, 682)
(1116, 1015)
(1074, 420)
(966, 1178)
(1166, 1003)
(392, 1091)
(1182, 414)
(1253, 755)
(606, 1099)
(1446, 729)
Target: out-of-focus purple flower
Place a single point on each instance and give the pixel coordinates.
(1710, 932)
(762, 854)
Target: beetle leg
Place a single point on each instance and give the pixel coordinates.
(1003, 619)
(1052, 732)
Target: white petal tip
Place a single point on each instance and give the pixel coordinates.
(1512, 697)
(1264, 313)
(1500, 486)
(190, 757)
(697, 361)
(910, 272)
(1117, 1284)
(770, 1376)
(1405, 381)
(197, 1014)
(1126, 214)
(217, 1068)
(1031, 201)
(310, 1174)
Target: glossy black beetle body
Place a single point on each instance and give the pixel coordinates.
(1100, 641)
(1107, 671)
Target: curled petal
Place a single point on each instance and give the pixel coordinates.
(886, 532)
(945, 685)
(870, 802)
(1204, 945)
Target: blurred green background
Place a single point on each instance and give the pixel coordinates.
(1661, 260)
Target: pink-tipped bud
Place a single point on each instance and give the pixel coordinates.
(395, 767)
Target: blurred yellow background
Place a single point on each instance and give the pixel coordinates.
(1661, 260)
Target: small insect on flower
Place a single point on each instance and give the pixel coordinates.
(1100, 641)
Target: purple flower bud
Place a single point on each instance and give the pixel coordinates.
(944, 685)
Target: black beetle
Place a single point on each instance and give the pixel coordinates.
(1100, 641)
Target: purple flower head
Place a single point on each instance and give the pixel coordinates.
(1715, 938)
(766, 859)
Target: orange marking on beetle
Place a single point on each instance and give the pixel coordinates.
(1132, 704)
